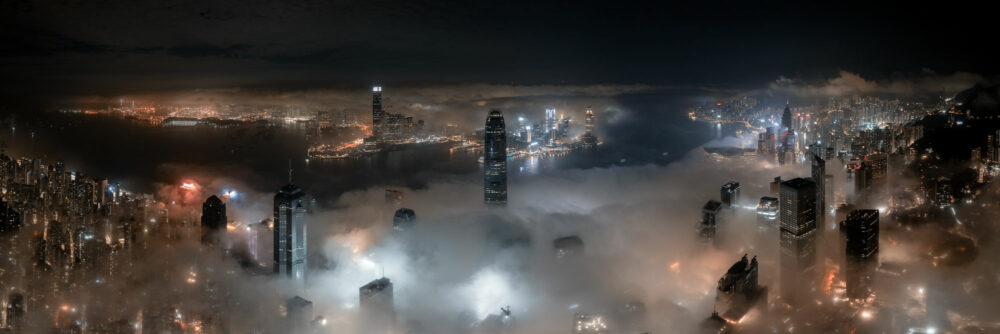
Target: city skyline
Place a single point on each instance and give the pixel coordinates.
(439, 167)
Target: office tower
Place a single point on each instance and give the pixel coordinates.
(819, 177)
(589, 138)
(213, 214)
(15, 311)
(730, 193)
(376, 300)
(10, 219)
(738, 290)
(776, 185)
(403, 219)
(709, 218)
(797, 217)
(290, 232)
(767, 209)
(861, 231)
(943, 195)
(259, 242)
(862, 182)
(298, 314)
(378, 114)
(495, 160)
(550, 120)
(879, 163)
(861, 228)
(786, 119)
(788, 148)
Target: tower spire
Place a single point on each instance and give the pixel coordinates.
(289, 171)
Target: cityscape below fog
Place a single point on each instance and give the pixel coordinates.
(444, 167)
(821, 209)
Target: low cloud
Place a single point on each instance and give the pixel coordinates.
(849, 83)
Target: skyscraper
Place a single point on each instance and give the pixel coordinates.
(797, 216)
(730, 193)
(213, 218)
(738, 290)
(861, 232)
(377, 302)
(709, 218)
(290, 232)
(495, 160)
(213, 213)
(787, 135)
(861, 229)
(818, 176)
(10, 219)
(588, 138)
(550, 120)
(378, 114)
(786, 119)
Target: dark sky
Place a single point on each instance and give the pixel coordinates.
(113, 47)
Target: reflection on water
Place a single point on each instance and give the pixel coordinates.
(138, 155)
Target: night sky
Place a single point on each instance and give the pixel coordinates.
(52, 48)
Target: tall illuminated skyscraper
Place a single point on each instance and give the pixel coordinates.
(786, 119)
(378, 114)
(550, 127)
(495, 160)
(787, 136)
(797, 215)
(290, 232)
(588, 137)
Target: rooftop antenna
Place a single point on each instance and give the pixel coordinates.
(289, 171)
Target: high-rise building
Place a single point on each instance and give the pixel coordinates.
(861, 233)
(738, 290)
(862, 182)
(10, 219)
(730, 193)
(290, 232)
(589, 138)
(550, 120)
(797, 218)
(260, 241)
(213, 213)
(819, 177)
(709, 218)
(378, 114)
(495, 160)
(775, 186)
(767, 209)
(943, 196)
(861, 228)
(786, 119)
(376, 300)
(879, 163)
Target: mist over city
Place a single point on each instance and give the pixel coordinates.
(478, 168)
